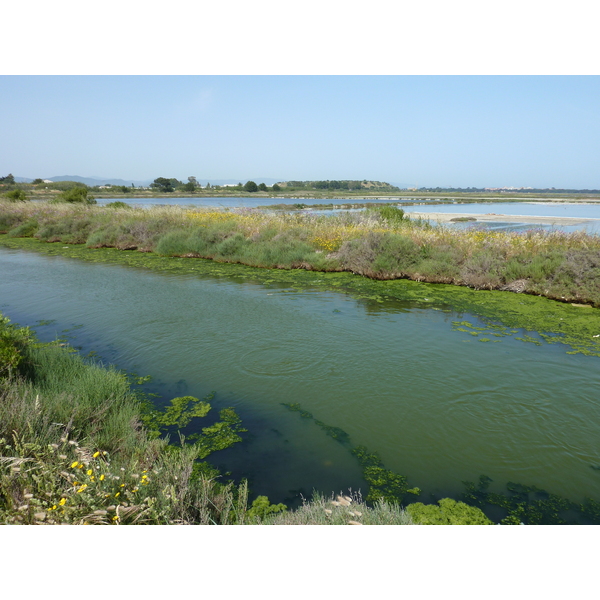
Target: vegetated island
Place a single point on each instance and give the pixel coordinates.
(380, 243)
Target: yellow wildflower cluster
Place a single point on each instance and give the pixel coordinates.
(216, 216)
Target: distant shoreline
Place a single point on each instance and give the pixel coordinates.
(494, 218)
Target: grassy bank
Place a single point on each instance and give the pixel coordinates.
(79, 445)
(380, 244)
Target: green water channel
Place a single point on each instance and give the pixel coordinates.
(440, 394)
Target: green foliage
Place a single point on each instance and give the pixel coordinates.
(262, 187)
(17, 195)
(37, 181)
(250, 186)
(117, 204)
(13, 340)
(77, 195)
(164, 185)
(276, 188)
(389, 214)
(448, 512)
(26, 229)
(8, 179)
(262, 508)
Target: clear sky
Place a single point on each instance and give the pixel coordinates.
(459, 131)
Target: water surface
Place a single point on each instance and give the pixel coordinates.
(438, 404)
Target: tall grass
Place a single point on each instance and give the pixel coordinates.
(380, 243)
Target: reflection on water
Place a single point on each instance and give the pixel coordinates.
(438, 405)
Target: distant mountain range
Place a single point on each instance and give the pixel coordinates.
(92, 181)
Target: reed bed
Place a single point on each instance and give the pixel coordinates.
(379, 243)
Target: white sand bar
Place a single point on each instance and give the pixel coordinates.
(494, 218)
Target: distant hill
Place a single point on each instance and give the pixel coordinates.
(93, 181)
(344, 184)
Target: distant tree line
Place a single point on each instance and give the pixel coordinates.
(345, 184)
(168, 186)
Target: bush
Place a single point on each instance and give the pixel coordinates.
(76, 195)
(117, 204)
(26, 229)
(449, 512)
(16, 196)
(389, 214)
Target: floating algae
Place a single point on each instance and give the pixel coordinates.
(555, 322)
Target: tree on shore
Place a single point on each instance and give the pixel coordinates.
(251, 187)
(162, 184)
(9, 179)
(262, 187)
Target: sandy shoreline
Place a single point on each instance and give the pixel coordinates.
(494, 218)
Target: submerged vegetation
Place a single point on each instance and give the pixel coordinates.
(379, 243)
(80, 445)
(520, 504)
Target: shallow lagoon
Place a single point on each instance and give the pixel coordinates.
(419, 385)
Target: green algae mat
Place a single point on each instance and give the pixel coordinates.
(502, 313)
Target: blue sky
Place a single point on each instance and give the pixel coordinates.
(482, 131)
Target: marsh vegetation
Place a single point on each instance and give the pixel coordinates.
(379, 243)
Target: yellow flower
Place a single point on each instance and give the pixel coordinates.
(117, 494)
(89, 472)
(101, 477)
(63, 501)
(96, 454)
(82, 488)
(115, 518)
(122, 485)
(92, 478)
(80, 466)
(74, 465)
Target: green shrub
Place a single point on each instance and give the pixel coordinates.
(16, 196)
(118, 203)
(76, 195)
(74, 230)
(26, 229)
(389, 214)
(449, 512)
